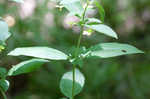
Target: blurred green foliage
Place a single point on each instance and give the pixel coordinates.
(125, 77)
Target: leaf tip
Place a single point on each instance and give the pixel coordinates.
(10, 54)
(140, 51)
(116, 36)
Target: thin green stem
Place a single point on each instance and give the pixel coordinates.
(3, 94)
(74, 66)
(77, 49)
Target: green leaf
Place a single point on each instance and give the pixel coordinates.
(4, 31)
(93, 21)
(101, 10)
(2, 47)
(39, 52)
(3, 72)
(73, 6)
(4, 85)
(103, 29)
(67, 82)
(26, 67)
(18, 1)
(106, 50)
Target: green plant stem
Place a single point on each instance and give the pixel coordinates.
(77, 49)
(3, 94)
(74, 66)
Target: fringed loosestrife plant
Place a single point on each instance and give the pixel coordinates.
(73, 81)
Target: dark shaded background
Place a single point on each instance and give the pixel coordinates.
(125, 77)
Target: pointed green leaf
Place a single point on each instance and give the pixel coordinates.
(4, 85)
(26, 67)
(93, 21)
(103, 29)
(67, 82)
(4, 31)
(100, 10)
(39, 52)
(73, 6)
(18, 1)
(106, 50)
(3, 72)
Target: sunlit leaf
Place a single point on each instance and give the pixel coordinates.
(106, 50)
(73, 6)
(26, 67)
(39, 52)
(4, 85)
(4, 31)
(67, 82)
(93, 21)
(103, 29)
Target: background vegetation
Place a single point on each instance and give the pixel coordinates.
(40, 23)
